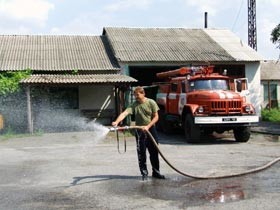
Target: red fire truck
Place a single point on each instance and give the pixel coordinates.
(201, 102)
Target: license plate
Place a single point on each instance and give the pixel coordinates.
(231, 119)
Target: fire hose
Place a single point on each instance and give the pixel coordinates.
(116, 129)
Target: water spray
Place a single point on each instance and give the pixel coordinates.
(255, 170)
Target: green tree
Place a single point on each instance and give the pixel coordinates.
(10, 81)
(275, 36)
(11, 100)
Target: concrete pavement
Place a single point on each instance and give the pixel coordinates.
(265, 127)
(83, 170)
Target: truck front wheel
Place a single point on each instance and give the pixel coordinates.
(242, 134)
(192, 131)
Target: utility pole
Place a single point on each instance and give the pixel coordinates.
(252, 24)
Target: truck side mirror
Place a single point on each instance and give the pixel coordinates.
(238, 85)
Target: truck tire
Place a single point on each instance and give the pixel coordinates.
(192, 131)
(164, 125)
(167, 127)
(159, 122)
(242, 134)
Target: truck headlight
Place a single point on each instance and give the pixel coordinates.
(200, 109)
(247, 108)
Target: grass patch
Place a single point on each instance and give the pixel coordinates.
(272, 115)
(10, 134)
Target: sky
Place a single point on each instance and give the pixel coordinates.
(88, 17)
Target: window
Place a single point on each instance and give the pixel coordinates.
(272, 90)
(64, 97)
(183, 86)
(214, 84)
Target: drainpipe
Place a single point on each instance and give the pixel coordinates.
(269, 95)
(29, 111)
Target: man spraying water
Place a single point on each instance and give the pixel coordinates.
(146, 115)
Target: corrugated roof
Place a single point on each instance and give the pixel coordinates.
(270, 70)
(77, 79)
(164, 45)
(233, 45)
(177, 45)
(55, 53)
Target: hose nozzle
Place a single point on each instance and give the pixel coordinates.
(113, 129)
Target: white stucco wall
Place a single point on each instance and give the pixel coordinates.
(253, 73)
(96, 97)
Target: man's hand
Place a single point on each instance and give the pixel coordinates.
(145, 128)
(114, 124)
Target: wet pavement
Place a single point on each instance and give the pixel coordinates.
(82, 170)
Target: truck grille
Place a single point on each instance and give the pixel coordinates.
(226, 107)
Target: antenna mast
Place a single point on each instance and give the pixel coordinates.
(252, 24)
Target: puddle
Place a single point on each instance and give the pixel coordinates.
(226, 194)
(190, 192)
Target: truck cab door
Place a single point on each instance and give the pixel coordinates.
(173, 99)
(241, 86)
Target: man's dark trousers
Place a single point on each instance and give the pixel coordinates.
(143, 141)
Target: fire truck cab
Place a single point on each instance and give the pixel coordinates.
(201, 102)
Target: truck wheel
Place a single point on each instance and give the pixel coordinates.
(167, 127)
(160, 121)
(192, 131)
(163, 124)
(242, 134)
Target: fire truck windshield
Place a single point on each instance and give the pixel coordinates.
(213, 84)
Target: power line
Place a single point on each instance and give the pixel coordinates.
(237, 16)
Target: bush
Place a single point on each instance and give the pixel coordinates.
(272, 115)
(10, 81)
